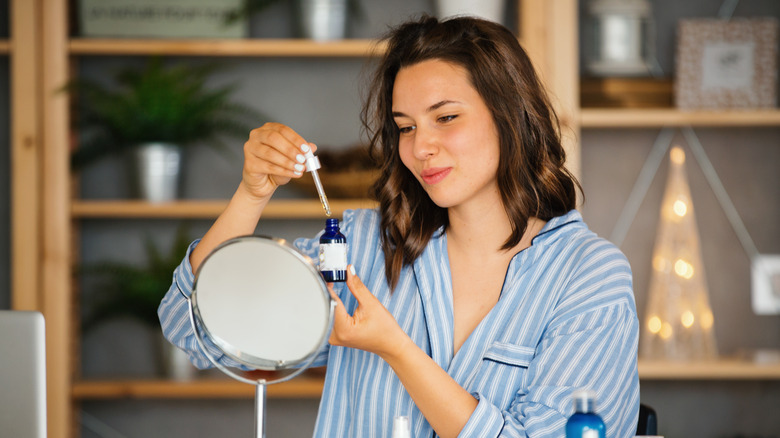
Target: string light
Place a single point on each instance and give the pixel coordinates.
(680, 208)
(687, 319)
(654, 324)
(683, 268)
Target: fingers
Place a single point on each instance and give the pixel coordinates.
(275, 149)
(341, 319)
(272, 156)
(356, 286)
(340, 310)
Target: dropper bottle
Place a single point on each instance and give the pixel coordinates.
(333, 252)
(312, 164)
(401, 427)
(585, 422)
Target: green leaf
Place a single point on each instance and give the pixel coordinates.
(130, 290)
(156, 103)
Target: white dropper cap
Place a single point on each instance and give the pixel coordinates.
(584, 400)
(312, 162)
(401, 427)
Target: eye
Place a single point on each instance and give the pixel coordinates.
(445, 119)
(405, 129)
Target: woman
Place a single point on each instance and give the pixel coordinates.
(477, 299)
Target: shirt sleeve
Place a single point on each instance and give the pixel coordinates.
(174, 314)
(174, 317)
(590, 343)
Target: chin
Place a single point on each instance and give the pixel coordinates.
(440, 200)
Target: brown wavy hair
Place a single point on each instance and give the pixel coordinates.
(532, 179)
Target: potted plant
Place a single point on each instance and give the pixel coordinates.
(135, 291)
(154, 112)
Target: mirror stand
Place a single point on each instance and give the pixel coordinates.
(227, 306)
(260, 385)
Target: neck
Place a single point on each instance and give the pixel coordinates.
(484, 230)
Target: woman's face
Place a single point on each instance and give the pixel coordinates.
(447, 137)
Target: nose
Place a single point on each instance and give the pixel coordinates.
(426, 143)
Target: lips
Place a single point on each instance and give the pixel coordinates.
(434, 175)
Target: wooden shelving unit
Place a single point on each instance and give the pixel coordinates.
(311, 386)
(299, 387)
(5, 47)
(723, 369)
(238, 47)
(660, 117)
(208, 209)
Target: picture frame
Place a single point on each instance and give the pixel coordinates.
(160, 19)
(726, 64)
(765, 284)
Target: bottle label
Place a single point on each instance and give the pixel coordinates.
(333, 256)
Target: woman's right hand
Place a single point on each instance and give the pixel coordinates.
(272, 156)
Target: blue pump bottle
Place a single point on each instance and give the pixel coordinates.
(585, 423)
(333, 253)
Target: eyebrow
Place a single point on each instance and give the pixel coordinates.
(433, 107)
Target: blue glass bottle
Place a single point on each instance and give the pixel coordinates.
(585, 423)
(333, 253)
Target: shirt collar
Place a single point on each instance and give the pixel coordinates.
(551, 229)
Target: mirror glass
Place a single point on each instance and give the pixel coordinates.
(262, 302)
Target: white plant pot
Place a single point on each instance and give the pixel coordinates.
(324, 20)
(176, 364)
(492, 10)
(157, 171)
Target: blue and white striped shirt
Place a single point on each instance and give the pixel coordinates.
(566, 319)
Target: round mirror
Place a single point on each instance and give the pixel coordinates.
(263, 303)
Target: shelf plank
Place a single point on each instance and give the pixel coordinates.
(723, 369)
(226, 47)
(660, 117)
(208, 209)
(311, 386)
(5, 46)
(300, 387)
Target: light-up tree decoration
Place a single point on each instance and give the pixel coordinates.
(678, 323)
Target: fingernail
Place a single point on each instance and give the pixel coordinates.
(352, 269)
(298, 173)
(305, 148)
(300, 158)
(299, 167)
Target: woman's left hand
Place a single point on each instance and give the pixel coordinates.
(371, 328)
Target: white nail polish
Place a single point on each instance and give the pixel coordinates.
(298, 173)
(300, 158)
(305, 148)
(299, 167)
(352, 269)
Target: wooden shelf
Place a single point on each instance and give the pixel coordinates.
(5, 46)
(208, 209)
(723, 369)
(300, 387)
(239, 47)
(660, 117)
(311, 386)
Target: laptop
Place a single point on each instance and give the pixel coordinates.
(22, 374)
